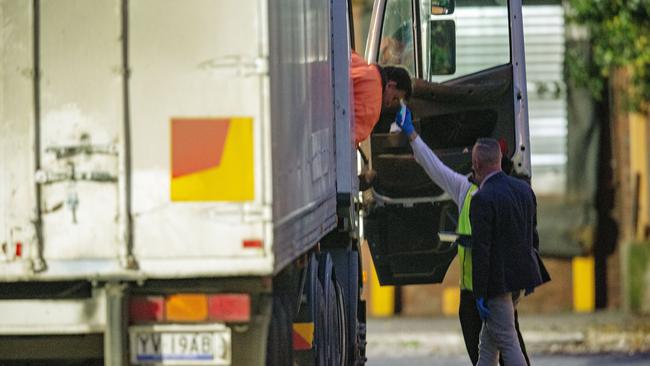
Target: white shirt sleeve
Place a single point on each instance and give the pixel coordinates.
(455, 184)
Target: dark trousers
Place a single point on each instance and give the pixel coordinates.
(470, 323)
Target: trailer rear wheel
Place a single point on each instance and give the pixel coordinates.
(342, 325)
(330, 323)
(279, 346)
(320, 331)
(360, 349)
(279, 350)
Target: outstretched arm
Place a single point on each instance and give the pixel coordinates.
(455, 184)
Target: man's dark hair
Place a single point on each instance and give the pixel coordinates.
(400, 76)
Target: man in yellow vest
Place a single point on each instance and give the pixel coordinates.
(461, 190)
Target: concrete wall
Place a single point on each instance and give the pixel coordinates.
(435, 300)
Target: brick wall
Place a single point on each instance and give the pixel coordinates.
(555, 296)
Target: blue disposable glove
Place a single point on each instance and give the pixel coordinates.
(483, 310)
(405, 121)
(529, 291)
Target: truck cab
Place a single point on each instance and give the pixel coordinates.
(466, 58)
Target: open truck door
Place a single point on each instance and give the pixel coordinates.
(467, 61)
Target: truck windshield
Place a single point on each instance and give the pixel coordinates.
(482, 36)
(396, 47)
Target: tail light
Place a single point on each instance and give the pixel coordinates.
(143, 309)
(230, 307)
(186, 308)
(190, 308)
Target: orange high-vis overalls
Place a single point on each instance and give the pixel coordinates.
(367, 94)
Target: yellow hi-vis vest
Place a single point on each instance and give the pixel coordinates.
(464, 230)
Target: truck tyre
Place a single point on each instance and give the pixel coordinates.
(347, 276)
(342, 325)
(279, 346)
(320, 333)
(330, 322)
(280, 335)
(360, 349)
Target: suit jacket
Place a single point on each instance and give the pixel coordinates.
(505, 243)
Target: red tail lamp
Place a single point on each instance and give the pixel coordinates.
(229, 307)
(144, 309)
(253, 243)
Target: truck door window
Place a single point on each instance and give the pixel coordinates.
(482, 37)
(397, 47)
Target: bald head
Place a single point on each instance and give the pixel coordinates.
(486, 158)
(488, 151)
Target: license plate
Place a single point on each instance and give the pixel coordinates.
(180, 345)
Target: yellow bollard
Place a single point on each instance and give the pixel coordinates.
(382, 298)
(450, 301)
(584, 299)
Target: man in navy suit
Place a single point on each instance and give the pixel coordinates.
(505, 260)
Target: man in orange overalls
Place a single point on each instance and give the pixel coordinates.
(375, 87)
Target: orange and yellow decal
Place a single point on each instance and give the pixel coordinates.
(303, 336)
(212, 159)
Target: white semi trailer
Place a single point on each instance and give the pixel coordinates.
(178, 181)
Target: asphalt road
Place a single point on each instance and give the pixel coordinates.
(537, 360)
(598, 339)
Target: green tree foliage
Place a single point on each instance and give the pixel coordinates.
(620, 37)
